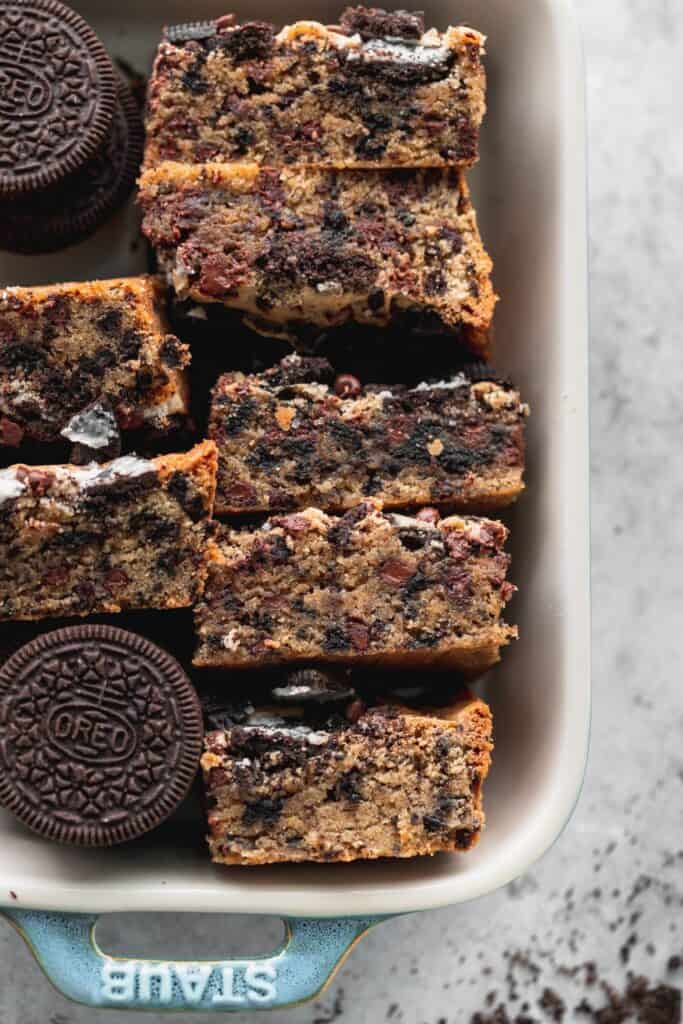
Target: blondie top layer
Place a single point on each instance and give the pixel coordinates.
(377, 90)
(369, 587)
(293, 248)
(393, 782)
(128, 534)
(297, 435)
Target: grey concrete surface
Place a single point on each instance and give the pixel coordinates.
(609, 894)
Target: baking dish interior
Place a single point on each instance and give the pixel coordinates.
(530, 192)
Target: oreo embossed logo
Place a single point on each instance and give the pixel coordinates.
(100, 735)
(24, 92)
(88, 733)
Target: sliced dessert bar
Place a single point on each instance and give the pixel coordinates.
(390, 782)
(296, 436)
(64, 345)
(292, 248)
(130, 533)
(369, 587)
(374, 91)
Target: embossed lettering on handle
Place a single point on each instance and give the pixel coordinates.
(160, 984)
(66, 948)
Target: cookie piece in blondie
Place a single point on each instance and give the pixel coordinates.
(295, 436)
(369, 587)
(374, 91)
(131, 533)
(292, 248)
(62, 346)
(395, 782)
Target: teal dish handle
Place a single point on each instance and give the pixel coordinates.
(65, 947)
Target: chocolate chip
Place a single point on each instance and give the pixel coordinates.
(116, 579)
(347, 386)
(396, 572)
(360, 635)
(110, 322)
(11, 433)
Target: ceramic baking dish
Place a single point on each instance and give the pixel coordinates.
(531, 195)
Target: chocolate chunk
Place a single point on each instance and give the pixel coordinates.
(371, 22)
(95, 434)
(400, 63)
(347, 386)
(100, 735)
(252, 41)
(11, 434)
(57, 94)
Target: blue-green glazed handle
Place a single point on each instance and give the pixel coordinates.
(64, 945)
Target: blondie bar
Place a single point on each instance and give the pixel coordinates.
(131, 533)
(374, 91)
(390, 782)
(296, 436)
(293, 247)
(64, 345)
(369, 587)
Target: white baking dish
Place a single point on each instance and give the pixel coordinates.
(531, 195)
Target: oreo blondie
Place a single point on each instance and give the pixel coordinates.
(383, 781)
(295, 248)
(297, 435)
(63, 346)
(376, 90)
(132, 533)
(370, 587)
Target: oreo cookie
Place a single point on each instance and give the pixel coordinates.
(57, 94)
(74, 208)
(95, 434)
(100, 735)
(189, 32)
(314, 685)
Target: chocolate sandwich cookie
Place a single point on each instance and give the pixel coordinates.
(100, 735)
(73, 208)
(57, 94)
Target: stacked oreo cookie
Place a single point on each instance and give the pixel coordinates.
(70, 130)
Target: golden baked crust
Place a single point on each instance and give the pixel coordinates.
(63, 346)
(394, 783)
(287, 440)
(347, 95)
(132, 533)
(294, 247)
(367, 588)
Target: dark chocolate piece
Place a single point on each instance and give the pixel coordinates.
(100, 735)
(374, 22)
(57, 94)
